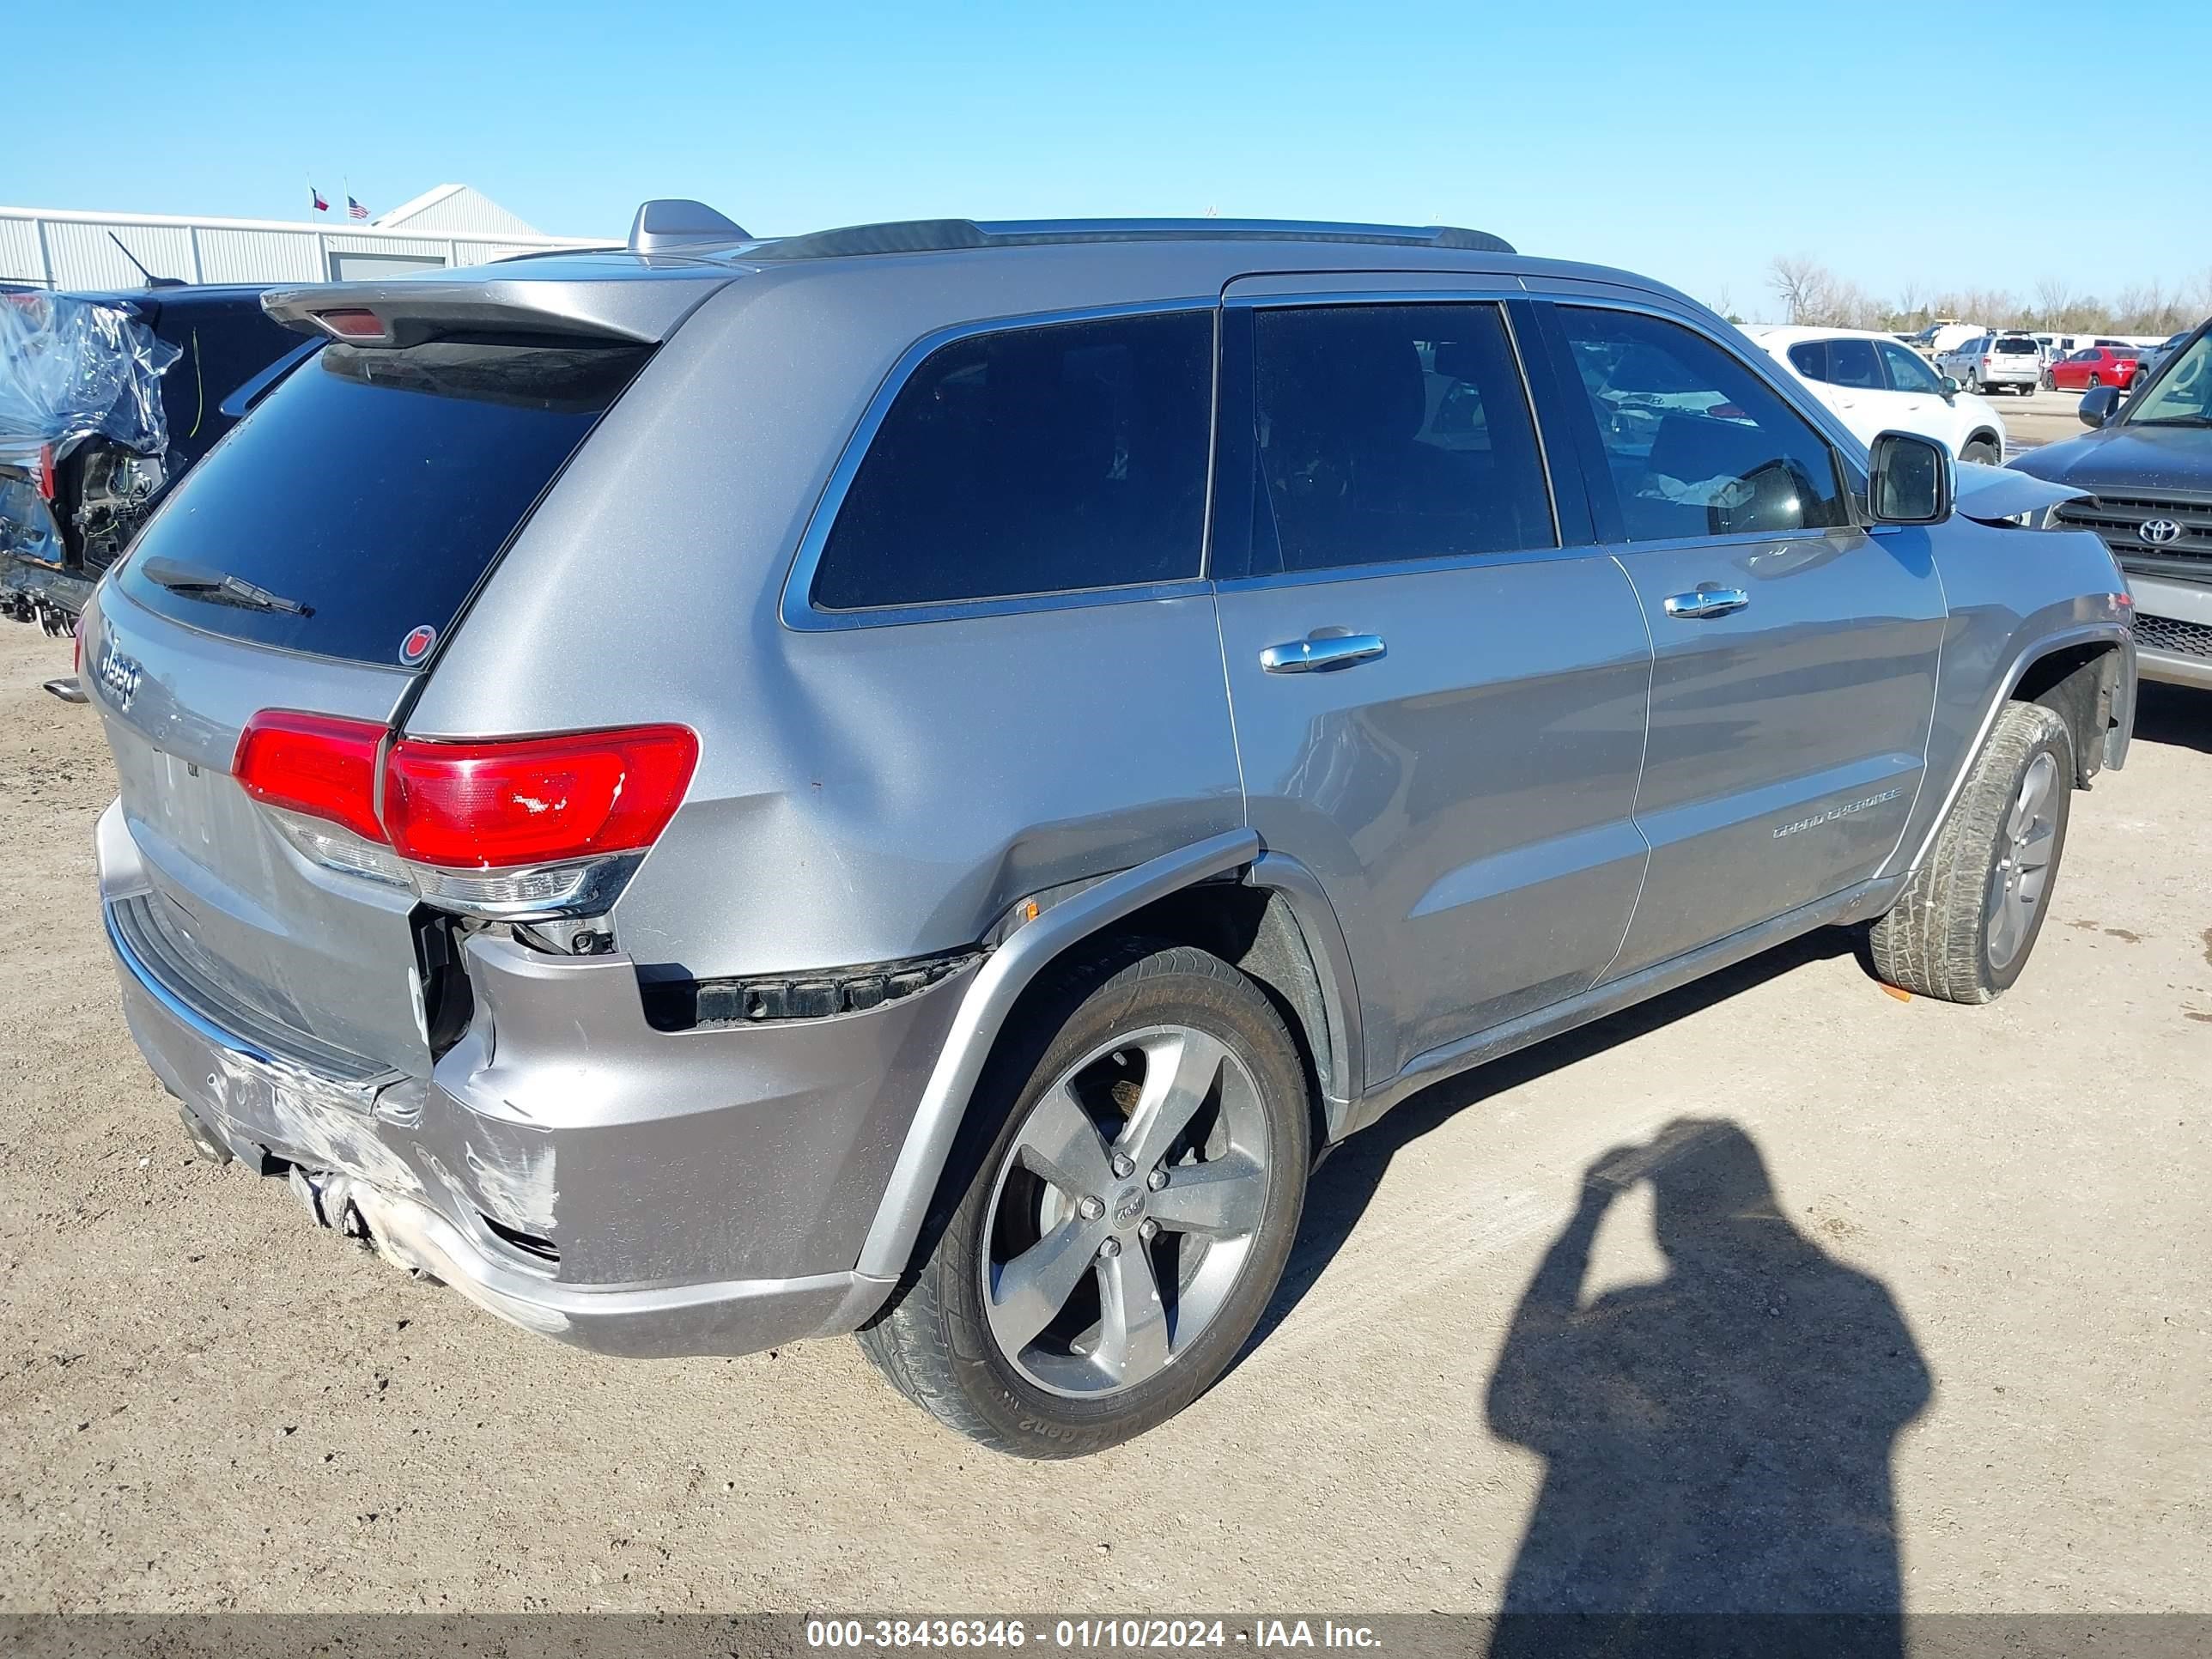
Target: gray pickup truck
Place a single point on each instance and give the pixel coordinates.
(911, 779)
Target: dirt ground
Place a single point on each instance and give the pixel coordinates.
(1988, 1238)
(2042, 417)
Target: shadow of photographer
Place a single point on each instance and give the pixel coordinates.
(1717, 1444)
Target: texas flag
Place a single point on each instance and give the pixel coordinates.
(316, 196)
(355, 210)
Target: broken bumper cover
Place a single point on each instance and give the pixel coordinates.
(626, 1190)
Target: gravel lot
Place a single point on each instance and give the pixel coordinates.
(210, 1404)
(2043, 417)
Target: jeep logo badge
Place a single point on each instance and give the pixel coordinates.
(1129, 1206)
(2160, 532)
(119, 674)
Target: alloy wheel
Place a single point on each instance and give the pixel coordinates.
(2023, 869)
(1123, 1211)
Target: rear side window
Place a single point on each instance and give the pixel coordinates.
(1852, 362)
(1810, 359)
(373, 489)
(1029, 461)
(1388, 433)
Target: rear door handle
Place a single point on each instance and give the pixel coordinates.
(1706, 602)
(1310, 656)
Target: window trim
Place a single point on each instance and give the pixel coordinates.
(1850, 478)
(1563, 490)
(796, 607)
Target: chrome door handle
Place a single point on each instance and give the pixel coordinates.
(1706, 602)
(1308, 656)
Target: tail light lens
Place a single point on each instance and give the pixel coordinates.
(46, 472)
(512, 805)
(535, 800)
(317, 764)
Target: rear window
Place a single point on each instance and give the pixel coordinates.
(2017, 348)
(374, 488)
(1032, 460)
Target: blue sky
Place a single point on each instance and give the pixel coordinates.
(1691, 141)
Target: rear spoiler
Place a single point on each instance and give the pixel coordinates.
(625, 306)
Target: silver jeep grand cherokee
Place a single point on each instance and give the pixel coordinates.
(909, 779)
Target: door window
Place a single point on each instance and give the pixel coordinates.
(1697, 444)
(1908, 372)
(1810, 359)
(1387, 432)
(1852, 362)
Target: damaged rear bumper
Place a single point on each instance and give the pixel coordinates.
(566, 1166)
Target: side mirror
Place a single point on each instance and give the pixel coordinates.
(1950, 386)
(1909, 480)
(2099, 405)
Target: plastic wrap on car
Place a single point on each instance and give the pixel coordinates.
(72, 368)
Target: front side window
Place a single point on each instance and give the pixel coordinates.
(1697, 444)
(1908, 372)
(1047, 460)
(1387, 432)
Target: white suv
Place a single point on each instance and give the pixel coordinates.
(1877, 384)
(1990, 360)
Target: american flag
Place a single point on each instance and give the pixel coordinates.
(355, 210)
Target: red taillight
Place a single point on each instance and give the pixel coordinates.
(535, 800)
(76, 651)
(474, 805)
(313, 763)
(46, 472)
(353, 325)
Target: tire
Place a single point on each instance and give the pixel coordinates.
(1107, 1355)
(2049, 384)
(2095, 381)
(1967, 920)
(1981, 450)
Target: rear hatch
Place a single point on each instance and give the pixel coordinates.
(2012, 359)
(313, 562)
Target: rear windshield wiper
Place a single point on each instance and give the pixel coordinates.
(200, 583)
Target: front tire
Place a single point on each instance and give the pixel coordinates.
(1981, 450)
(1966, 922)
(1134, 1168)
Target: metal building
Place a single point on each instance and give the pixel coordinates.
(450, 225)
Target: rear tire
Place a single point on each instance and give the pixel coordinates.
(2095, 381)
(1118, 1213)
(1967, 920)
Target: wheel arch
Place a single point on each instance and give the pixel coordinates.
(2111, 654)
(1078, 916)
(2079, 683)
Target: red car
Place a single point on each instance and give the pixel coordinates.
(2094, 366)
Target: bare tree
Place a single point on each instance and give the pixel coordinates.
(1800, 280)
(2054, 298)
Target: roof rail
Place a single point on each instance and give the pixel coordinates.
(945, 236)
(676, 222)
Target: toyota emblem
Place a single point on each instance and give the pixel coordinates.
(2159, 533)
